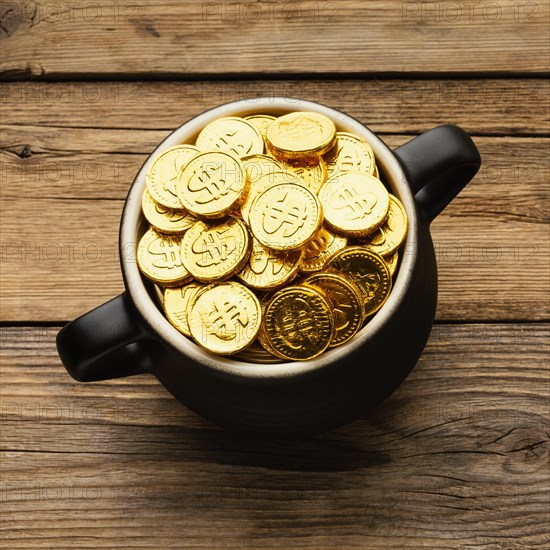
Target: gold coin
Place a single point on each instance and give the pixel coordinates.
(300, 134)
(285, 216)
(346, 303)
(298, 323)
(389, 237)
(177, 302)
(165, 220)
(368, 270)
(350, 154)
(264, 342)
(212, 184)
(354, 204)
(267, 269)
(262, 338)
(265, 181)
(260, 121)
(215, 251)
(258, 165)
(162, 176)
(225, 318)
(232, 135)
(314, 174)
(317, 252)
(391, 262)
(159, 258)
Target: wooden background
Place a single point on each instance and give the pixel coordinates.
(456, 458)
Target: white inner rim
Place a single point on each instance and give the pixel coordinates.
(187, 133)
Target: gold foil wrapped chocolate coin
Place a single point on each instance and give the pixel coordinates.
(285, 216)
(350, 154)
(268, 269)
(346, 303)
(225, 318)
(159, 258)
(264, 182)
(298, 323)
(301, 134)
(215, 251)
(177, 304)
(212, 184)
(232, 135)
(354, 204)
(317, 252)
(165, 220)
(389, 236)
(162, 177)
(368, 270)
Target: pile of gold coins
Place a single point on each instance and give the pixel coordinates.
(270, 229)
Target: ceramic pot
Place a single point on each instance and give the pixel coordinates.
(129, 335)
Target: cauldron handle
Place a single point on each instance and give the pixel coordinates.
(438, 164)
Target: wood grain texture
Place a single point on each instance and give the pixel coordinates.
(152, 39)
(481, 106)
(492, 240)
(456, 458)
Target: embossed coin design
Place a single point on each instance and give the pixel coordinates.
(215, 251)
(300, 134)
(258, 165)
(346, 302)
(233, 135)
(314, 174)
(351, 153)
(298, 323)
(260, 121)
(354, 204)
(174, 222)
(225, 318)
(162, 176)
(285, 216)
(267, 270)
(368, 270)
(177, 302)
(265, 181)
(317, 252)
(389, 236)
(212, 184)
(159, 258)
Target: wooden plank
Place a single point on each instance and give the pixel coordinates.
(151, 39)
(480, 106)
(61, 210)
(456, 458)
